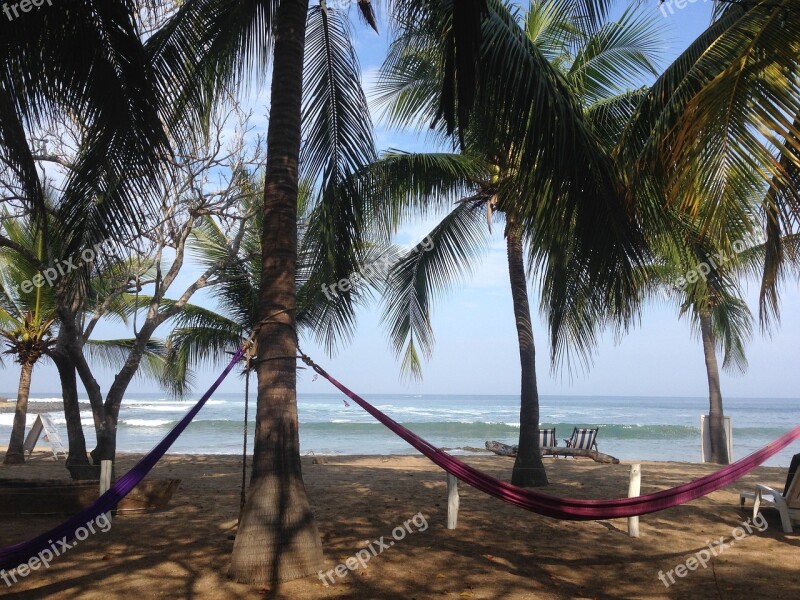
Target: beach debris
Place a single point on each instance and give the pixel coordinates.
(473, 449)
(506, 450)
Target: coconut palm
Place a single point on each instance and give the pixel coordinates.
(597, 66)
(202, 336)
(212, 45)
(704, 283)
(716, 140)
(27, 323)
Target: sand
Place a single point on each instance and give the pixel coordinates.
(497, 551)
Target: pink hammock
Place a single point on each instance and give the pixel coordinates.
(568, 508)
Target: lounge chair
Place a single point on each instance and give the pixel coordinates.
(547, 438)
(787, 503)
(583, 438)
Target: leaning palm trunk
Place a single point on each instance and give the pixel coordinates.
(278, 538)
(528, 468)
(716, 421)
(16, 453)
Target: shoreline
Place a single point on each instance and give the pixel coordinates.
(329, 429)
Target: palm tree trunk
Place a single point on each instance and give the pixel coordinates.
(277, 538)
(716, 421)
(528, 468)
(15, 454)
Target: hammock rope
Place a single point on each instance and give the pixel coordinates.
(568, 508)
(17, 554)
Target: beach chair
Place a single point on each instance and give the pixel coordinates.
(547, 438)
(583, 438)
(787, 503)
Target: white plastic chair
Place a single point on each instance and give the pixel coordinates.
(788, 506)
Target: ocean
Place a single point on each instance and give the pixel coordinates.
(631, 428)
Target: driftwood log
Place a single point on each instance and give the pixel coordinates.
(506, 450)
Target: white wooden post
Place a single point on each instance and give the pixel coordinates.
(634, 487)
(452, 501)
(105, 480)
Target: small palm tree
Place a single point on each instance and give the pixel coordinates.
(704, 282)
(27, 320)
(718, 315)
(27, 339)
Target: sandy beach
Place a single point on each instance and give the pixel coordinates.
(497, 551)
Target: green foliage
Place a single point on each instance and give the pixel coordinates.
(553, 101)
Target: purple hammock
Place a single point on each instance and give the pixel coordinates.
(13, 556)
(566, 508)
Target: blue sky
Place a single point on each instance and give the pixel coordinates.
(476, 351)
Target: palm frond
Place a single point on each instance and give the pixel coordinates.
(207, 48)
(716, 119)
(112, 354)
(337, 130)
(424, 274)
(200, 338)
(618, 56)
(407, 184)
(104, 83)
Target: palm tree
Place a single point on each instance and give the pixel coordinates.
(27, 322)
(209, 44)
(201, 336)
(27, 319)
(597, 66)
(703, 281)
(27, 340)
(205, 48)
(716, 140)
